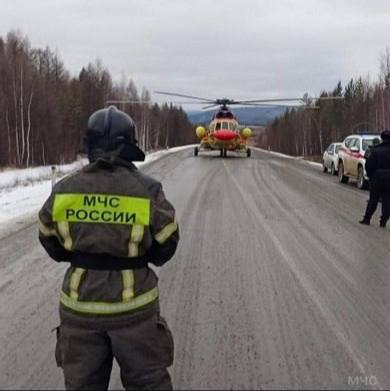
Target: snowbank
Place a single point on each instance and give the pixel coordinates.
(23, 177)
(314, 163)
(23, 191)
(289, 156)
(277, 153)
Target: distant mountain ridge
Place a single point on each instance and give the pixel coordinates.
(260, 116)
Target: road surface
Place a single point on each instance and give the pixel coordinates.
(274, 284)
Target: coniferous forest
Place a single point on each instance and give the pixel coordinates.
(44, 109)
(365, 107)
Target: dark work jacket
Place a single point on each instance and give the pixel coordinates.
(109, 221)
(105, 246)
(378, 165)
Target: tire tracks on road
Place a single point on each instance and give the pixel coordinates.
(304, 281)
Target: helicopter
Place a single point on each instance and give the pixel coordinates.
(224, 133)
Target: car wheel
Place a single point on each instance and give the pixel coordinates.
(332, 169)
(361, 183)
(324, 169)
(342, 177)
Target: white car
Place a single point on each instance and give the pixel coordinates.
(330, 159)
(352, 161)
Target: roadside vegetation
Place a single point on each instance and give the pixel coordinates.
(308, 131)
(44, 109)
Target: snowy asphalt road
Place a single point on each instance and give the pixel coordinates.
(274, 284)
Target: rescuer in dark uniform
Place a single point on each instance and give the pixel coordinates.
(378, 170)
(374, 194)
(109, 221)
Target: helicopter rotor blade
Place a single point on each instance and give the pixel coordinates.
(187, 102)
(330, 98)
(309, 99)
(210, 106)
(269, 105)
(205, 100)
(269, 100)
(124, 101)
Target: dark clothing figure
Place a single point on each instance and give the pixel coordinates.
(374, 194)
(378, 170)
(110, 222)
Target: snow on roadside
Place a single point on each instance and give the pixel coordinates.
(22, 177)
(151, 157)
(277, 153)
(314, 163)
(22, 200)
(23, 191)
(289, 156)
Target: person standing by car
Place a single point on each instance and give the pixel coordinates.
(110, 221)
(378, 170)
(374, 194)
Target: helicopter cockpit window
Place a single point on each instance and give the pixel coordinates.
(233, 126)
(225, 125)
(217, 126)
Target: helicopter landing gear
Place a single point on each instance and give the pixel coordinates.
(221, 153)
(248, 152)
(196, 151)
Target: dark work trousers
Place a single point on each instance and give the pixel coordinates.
(143, 348)
(372, 202)
(385, 195)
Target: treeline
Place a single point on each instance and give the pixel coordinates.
(44, 110)
(307, 131)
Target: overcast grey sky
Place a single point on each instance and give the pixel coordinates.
(242, 49)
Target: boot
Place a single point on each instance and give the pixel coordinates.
(365, 221)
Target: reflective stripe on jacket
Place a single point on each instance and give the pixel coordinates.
(116, 211)
(108, 292)
(108, 220)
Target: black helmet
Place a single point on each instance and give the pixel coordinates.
(111, 132)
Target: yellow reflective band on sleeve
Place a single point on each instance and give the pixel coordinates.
(109, 308)
(128, 285)
(137, 233)
(166, 232)
(63, 229)
(133, 249)
(101, 209)
(136, 236)
(45, 231)
(75, 280)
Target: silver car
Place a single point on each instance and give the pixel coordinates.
(330, 158)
